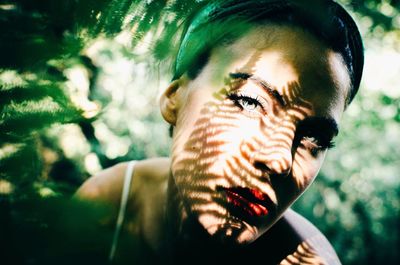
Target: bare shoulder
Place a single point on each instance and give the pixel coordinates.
(313, 246)
(106, 186)
(154, 169)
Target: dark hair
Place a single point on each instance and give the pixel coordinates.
(222, 21)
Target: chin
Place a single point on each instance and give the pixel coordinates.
(229, 232)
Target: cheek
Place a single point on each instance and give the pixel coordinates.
(224, 135)
(190, 120)
(305, 168)
(206, 141)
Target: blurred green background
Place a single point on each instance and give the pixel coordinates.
(79, 84)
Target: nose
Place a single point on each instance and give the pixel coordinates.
(274, 160)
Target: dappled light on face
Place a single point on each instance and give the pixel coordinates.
(243, 153)
(299, 107)
(235, 172)
(303, 170)
(200, 170)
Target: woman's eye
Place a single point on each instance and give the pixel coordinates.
(315, 145)
(245, 102)
(248, 103)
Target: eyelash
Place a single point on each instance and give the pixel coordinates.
(236, 97)
(318, 145)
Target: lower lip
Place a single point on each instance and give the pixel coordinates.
(253, 209)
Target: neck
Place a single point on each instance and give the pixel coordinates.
(176, 216)
(184, 235)
(180, 229)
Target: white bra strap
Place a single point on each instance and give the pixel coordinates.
(122, 208)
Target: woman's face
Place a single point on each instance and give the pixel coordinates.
(253, 127)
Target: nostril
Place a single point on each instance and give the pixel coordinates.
(275, 168)
(261, 166)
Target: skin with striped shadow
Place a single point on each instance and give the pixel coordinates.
(256, 127)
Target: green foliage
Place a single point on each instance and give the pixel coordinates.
(382, 12)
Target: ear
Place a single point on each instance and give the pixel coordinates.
(169, 102)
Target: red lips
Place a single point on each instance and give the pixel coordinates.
(252, 201)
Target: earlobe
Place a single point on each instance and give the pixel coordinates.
(169, 102)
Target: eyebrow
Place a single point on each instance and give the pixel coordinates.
(264, 84)
(325, 126)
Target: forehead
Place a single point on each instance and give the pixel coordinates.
(285, 56)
